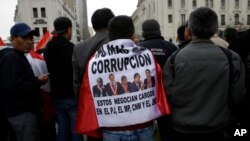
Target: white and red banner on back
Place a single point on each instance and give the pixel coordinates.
(122, 87)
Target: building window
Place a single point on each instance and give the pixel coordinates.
(237, 19)
(211, 3)
(37, 31)
(237, 3)
(35, 14)
(248, 19)
(169, 3)
(248, 4)
(194, 3)
(170, 19)
(183, 19)
(153, 6)
(44, 30)
(206, 3)
(223, 4)
(223, 20)
(182, 3)
(43, 12)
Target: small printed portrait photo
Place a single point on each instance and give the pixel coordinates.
(137, 84)
(126, 85)
(113, 87)
(99, 88)
(149, 81)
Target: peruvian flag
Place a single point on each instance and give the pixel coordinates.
(41, 44)
(1, 42)
(106, 100)
(39, 68)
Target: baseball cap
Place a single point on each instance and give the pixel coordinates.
(22, 29)
(61, 24)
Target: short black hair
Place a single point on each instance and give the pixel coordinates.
(101, 18)
(121, 27)
(230, 34)
(180, 32)
(61, 25)
(203, 23)
(111, 75)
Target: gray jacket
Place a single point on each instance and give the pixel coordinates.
(81, 55)
(200, 90)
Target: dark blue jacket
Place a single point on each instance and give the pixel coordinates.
(19, 88)
(161, 48)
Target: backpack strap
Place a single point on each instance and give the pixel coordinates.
(230, 62)
(171, 60)
(231, 103)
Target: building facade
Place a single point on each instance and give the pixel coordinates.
(40, 15)
(173, 13)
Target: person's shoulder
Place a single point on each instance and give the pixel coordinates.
(79, 45)
(234, 54)
(167, 43)
(7, 51)
(9, 54)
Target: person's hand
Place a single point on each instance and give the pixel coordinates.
(43, 78)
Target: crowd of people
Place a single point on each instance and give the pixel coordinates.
(195, 90)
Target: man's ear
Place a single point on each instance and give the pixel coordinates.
(134, 38)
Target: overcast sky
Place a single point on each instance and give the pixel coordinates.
(119, 7)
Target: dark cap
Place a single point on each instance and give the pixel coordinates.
(61, 24)
(150, 27)
(22, 29)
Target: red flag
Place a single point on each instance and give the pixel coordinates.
(36, 55)
(41, 44)
(1, 42)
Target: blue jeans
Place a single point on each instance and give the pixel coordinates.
(145, 134)
(66, 110)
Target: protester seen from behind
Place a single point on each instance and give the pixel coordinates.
(153, 40)
(198, 82)
(241, 46)
(83, 51)
(118, 117)
(58, 57)
(183, 35)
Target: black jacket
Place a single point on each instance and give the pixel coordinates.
(161, 48)
(241, 46)
(19, 88)
(58, 56)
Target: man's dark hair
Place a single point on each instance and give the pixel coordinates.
(136, 74)
(150, 27)
(101, 18)
(203, 23)
(230, 34)
(180, 32)
(111, 75)
(61, 25)
(121, 27)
